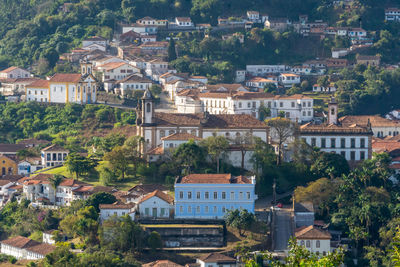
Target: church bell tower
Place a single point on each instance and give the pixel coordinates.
(147, 108)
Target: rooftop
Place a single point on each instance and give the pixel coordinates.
(209, 120)
(311, 232)
(160, 195)
(116, 205)
(11, 148)
(310, 128)
(66, 77)
(161, 263)
(54, 147)
(39, 84)
(217, 257)
(214, 179)
(375, 120)
(180, 136)
(10, 69)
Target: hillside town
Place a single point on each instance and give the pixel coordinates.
(209, 138)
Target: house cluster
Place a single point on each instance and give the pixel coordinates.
(25, 248)
(207, 260)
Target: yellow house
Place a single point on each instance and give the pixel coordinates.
(7, 166)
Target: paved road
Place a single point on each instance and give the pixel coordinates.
(265, 203)
(283, 229)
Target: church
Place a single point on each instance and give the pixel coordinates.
(154, 126)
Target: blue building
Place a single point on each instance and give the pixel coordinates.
(209, 196)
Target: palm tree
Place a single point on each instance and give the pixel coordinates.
(54, 182)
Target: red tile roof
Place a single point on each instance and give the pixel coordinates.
(55, 147)
(310, 128)
(42, 249)
(116, 205)
(65, 78)
(214, 179)
(181, 136)
(311, 232)
(375, 120)
(161, 263)
(72, 183)
(113, 65)
(39, 84)
(212, 121)
(20, 242)
(9, 69)
(160, 195)
(217, 257)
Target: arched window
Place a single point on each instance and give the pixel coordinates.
(162, 133)
(318, 244)
(3, 171)
(148, 107)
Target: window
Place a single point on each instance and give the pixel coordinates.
(206, 209)
(215, 195)
(162, 133)
(302, 242)
(206, 195)
(352, 155)
(223, 209)
(162, 211)
(318, 244)
(281, 104)
(323, 142)
(343, 153)
(240, 195)
(313, 142)
(232, 195)
(181, 195)
(248, 195)
(240, 104)
(215, 209)
(223, 195)
(248, 104)
(148, 107)
(190, 209)
(146, 211)
(352, 142)
(333, 142)
(309, 113)
(292, 104)
(362, 155)
(198, 209)
(362, 142)
(198, 195)
(181, 209)
(308, 243)
(342, 142)
(189, 195)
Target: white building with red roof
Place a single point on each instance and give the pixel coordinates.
(117, 70)
(210, 196)
(314, 239)
(116, 209)
(14, 72)
(25, 248)
(157, 204)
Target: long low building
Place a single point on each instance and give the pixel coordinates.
(210, 196)
(25, 248)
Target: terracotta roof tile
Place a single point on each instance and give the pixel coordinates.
(161, 263)
(116, 205)
(311, 232)
(10, 69)
(11, 148)
(310, 128)
(39, 84)
(20, 242)
(213, 121)
(217, 257)
(181, 136)
(54, 147)
(72, 183)
(65, 77)
(214, 179)
(375, 120)
(159, 194)
(113, 65)
(42, 249)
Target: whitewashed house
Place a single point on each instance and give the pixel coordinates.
(353, 142)
(184, 22)
(116, 209)
(14, 72)
(289, 79)
(132, 83)
(156, 205)
(392, 14)
(260, 82)
(314, 239)
(327, 89)
(94, 42)
(29, 165)
(216, 260)
(262, 70)
(24, 248)
(116, 70)
(53, 155)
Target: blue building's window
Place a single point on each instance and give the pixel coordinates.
(206, 195)
(198, 209)
(181, 195)
(198, 195)
(215, 209)
(206, 209)
(189, 195)
(248, 195)
(215, 195)
(223, 195)
(189, 209)
(232, 195)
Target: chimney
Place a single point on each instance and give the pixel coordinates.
(332, 112)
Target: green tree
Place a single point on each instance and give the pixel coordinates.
(189, 156)
(79, 164)
(171, 50)
(154, 241)
(119, 160)
(330, 165)
(282, 130)
(215, 146)
(240, 219)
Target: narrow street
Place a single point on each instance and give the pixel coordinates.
(283, 229)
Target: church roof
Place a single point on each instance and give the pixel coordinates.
(310, 128)
(220, 121)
